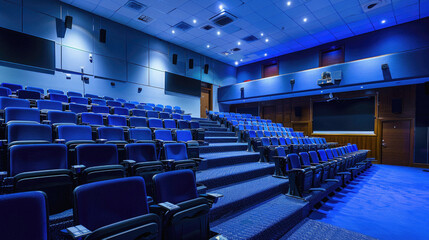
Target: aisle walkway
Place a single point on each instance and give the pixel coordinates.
(385, 202)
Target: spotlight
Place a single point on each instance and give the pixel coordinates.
(236, 63)
(194, 21)
(383, 21)
(265, 54)
(288, 3)
(218, 33)
(262, 34)
(267, 40)
(208, 46)
(305, 19)
(173, 32)
(238, 43)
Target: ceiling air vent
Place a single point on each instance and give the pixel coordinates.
(222, 19)
(226, 53)
(145, 19)
(250, 38)
(235, 49)
(183, 26)
(135, 6)
(369, 5)
(207, 27)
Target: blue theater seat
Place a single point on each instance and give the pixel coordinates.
(28, 94)
(158, 109)
(192, 146)
(92, 96)
(152, 114)
(176, 116)
(108, 98)
(138, 112)
(74, 94)
(121, 100)
(13, 102)
(178, 155)
(129, 105)
(164, 115)
(134, 102)
(190, 219)
(112, 103)
(150, 104)
(79, 100)
(316, 168)
(78, 108)
(115, 209)
(138, 122)
(100, 109)
(187, 117)
(168, 110)
(112, 135)
(141, 135)
(328, 167)
(100, 162)
(24, 216)
(155, 123)
(24, 133)
(117, 120)
(50, 91)
(18, 114)
(58, 97)
(60, 118)
(42, 167)
(148, 108)
(13, 87)
(75, 134)
(5, 92)
(99, 102)
(168, 107)
(197, 131)
(47, 105)
(120, 111)
(170, 124)
(94, 119)
(182, 124)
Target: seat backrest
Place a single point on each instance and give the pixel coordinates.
(50, 91)
(28, 94)
(355, 147)
(329, 154)
(305, 158)
(175, 151)
(164, 115)
(108, 98)
(22, 114)
(295, 141)
(78, 108)
(175, 186)
(62, 117)
(129, 105)
(103, 203)
(92, 96)
(121, 100)
(148, 108)
(141, 152)
(36, 89)
(163, 134)
(121, 111)
(176, 116)
(281, 151)
(111, 133)
(37, 157)
(260, 133)
(117, 120)
(113, 103)
(182, 124)
(294, 160)
(100, 102)
(177, 108)
(252, 134)
(12, 86)
(152, 114)
(158, 109)
(80, 100)
(49, 105)
(155, 123)
(138, 122)
(138, 112)
(140, 134)
(313, 156)
(183, 135)
(58, 97)
(168, 107)
(13, 102)
(92, 155)
(92, 118)
(5, 92)
(169, 123)
(300, 141)
(334, 152)
(187, 117)
(29, 132)
(274, 141)
(100, 109)
(74, 94)
(24, 215)
(168, 110)
(74, 132)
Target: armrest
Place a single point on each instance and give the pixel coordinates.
(3, 175)
(3, 142)
(159, 140)
(101, 140)
(76, 169)
(77, 232)
(128, 163)
(197, 159)
(281, 157)
(314, 164)
(169, 206)
(212, 197)
(168, 162)
(297, 170)
(62, 141)
(47, 122)
(132, 140)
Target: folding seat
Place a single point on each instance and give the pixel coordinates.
(150, 104)
(191, 211)
(58, 97)
(176, 108)
(124, 216)
(152, 114)
(57, 118)
(20, 212)
(168, 107)
(11, 86)
(187, 117)
(155, 123)
(100, 109)
(42, 167)
(92, 96)
(316, 168)
(78, 108)
(5, 92)
(178, 111)
(18, 114)
(112, 103)
(182, 124)
(117, 121)
(305, 147)
(129, 105)
(162, 137)
(141, 135)
(176, 116)
(107, 98)
(168, 110)
(297, 147)
(192, 146)
(147, 163)
(134, 102)
(28, 94)
(137, 122)
(138, 112)
(72, 136)
(13, 102)
(121, 100)
(160, 106)
(328, 167)
(73, 94)
(50, 91)
(197, 132)
(99, 102)
(120, 111)
(170, 124)
(48, 105)
(164, 115)
(339, 169)
(148, 108)
(79, 100)
(279, 125)
(176, 157)
(24, 133)
(100, 162)
(158, 109)
(92, 119)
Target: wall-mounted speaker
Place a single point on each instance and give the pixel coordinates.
(242, 92)
(191, 63)
(112, 84)
(397, 105)
(298, 111)
(103, 35)
(69, 22)
(174, 59)
(206, 69)
(139, 90)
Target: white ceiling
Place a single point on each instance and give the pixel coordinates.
(282, 25)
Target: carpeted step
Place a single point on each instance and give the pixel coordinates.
(222, 176)
(221, 139)
(218, 134)
(218, 129)
(223, 147)
(268, 220)
(199, 119)
(218, 159)
(242, 195)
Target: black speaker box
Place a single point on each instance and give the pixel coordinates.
(191, 63)
(174, 59)
(103, 35)
(397, 105)
(298, 111)
(69, 22)
(206, 68)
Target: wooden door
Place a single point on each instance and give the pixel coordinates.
(395, 143)
(205, 101)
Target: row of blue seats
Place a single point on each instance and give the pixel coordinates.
(116, 209)
(7, 89)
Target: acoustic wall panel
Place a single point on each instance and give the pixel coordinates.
(111, 68)
(73, 60)
(138, 74)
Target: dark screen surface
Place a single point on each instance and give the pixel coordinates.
(181, 84)
(27, 50)
(344, 115)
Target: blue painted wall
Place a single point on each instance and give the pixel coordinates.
(130, 58)
(404, 37)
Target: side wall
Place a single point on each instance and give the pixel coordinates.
(129, 58)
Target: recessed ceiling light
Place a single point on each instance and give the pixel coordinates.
(265, 54)
(236, 63)
(305, 19)
(218, 33)
(241, 60)
(194, 21)
(208, 46)
(262, 34)
(288, 3)
(221, 7)
(383, 21)
(238, 43)
(173, 32)
(267, 40)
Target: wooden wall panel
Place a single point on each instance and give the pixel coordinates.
(362, 141)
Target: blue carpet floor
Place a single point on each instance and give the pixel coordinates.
(385, 202)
